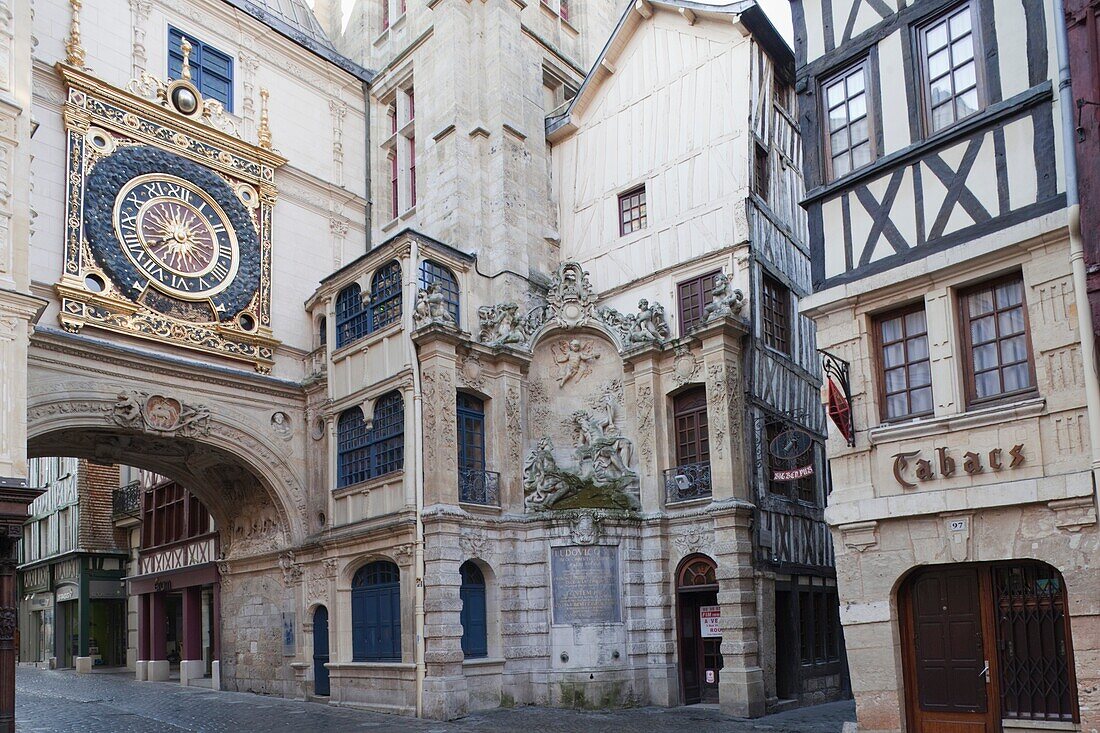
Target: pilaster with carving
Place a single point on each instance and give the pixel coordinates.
(139, 18)
(721, 352)
(339, 111)
(438, 361)
(338, 227)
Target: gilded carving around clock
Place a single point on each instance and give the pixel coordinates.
(168, 223)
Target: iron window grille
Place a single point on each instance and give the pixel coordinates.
(126, 501)
(433, 272)
(1033, 643)
(211, 69)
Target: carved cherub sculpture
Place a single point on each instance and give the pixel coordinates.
(724, 300)
(501, 325)
(573, 359)
(431, 307)
(650, 325)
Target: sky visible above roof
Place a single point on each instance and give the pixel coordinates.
(778, 11)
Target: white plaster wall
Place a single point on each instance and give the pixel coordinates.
(674, 115)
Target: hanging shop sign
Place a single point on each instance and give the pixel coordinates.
(790, 444)
(908, 465)
(792, 474)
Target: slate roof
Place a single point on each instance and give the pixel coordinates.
(295, 20)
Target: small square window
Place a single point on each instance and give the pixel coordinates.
(632, 211)
(904, 368)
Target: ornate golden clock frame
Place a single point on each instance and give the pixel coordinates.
(100, 118)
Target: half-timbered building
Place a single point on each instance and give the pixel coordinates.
(963, 508)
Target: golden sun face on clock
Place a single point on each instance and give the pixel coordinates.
(176, 235)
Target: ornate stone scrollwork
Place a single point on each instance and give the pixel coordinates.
(292, 571)
(160, 414)
(431, 307)
(475, 543)
(585, 528)
(724, 300)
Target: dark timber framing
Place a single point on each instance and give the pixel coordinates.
(876, 187)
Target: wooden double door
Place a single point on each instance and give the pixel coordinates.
(984, 643)
(700, 655)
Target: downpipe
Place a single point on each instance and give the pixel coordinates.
(1077, 245)
(418, 478)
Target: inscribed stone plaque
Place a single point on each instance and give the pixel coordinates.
(585, 584)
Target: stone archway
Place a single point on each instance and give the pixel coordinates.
(248, 485)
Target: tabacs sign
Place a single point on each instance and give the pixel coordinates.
(908, 463)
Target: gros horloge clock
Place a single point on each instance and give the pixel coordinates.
(168, 218)
(172, 235)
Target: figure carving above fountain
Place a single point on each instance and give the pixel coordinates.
(431, 307)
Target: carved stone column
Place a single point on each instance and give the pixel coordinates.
(14, 498)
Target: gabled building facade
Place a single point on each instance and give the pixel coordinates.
(550, 388)
(964, 505)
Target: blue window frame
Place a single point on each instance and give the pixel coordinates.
(363, 454)
(352, 454)
(211, 70)
(356, 318)
(352, 318)
(385, 295)
(433, 272)
(471, 432)
(386, 441)
(376, 613)
(475, 630)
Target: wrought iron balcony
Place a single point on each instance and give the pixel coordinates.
(476, 486)
(687, 482)
(126, 502)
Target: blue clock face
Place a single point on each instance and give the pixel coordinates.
(172, 235)
(177, 236)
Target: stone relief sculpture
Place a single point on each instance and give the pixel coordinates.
(724, 300)
(159, 414)
(500, 325)
(602, 476)
(574, 356)
(431, 307)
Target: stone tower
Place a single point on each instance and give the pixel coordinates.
(458, 150)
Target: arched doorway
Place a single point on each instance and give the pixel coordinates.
(697, 634)
(320, 651)
(986, 643)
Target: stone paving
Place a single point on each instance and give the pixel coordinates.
(59, 702)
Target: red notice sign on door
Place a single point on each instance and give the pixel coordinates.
(709, 620)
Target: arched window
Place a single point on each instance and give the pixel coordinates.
(433, 272)
(376, 613)
(475, 630)
(385, 295)
(386, 441)
(697, 572)
(352, 455)
(322, 331)
(351, 317)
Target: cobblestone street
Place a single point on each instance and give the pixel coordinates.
(65, 701)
